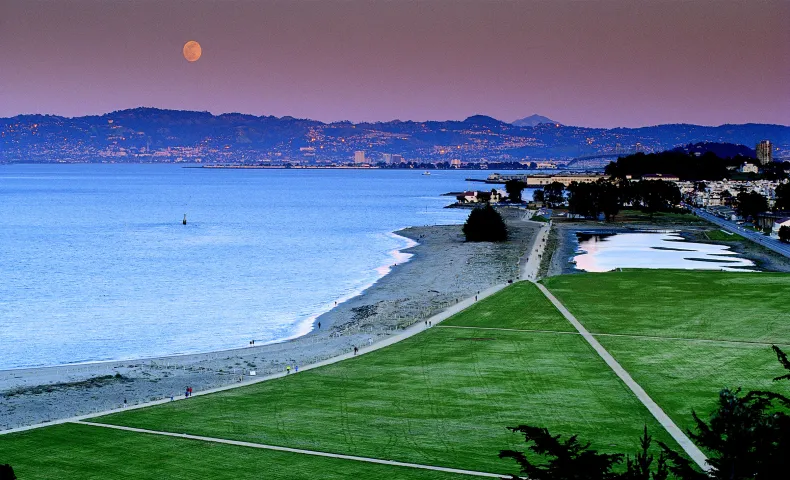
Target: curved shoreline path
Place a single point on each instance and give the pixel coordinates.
(685, 443)
(530, 263)
(410, 331)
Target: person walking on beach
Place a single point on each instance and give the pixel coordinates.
(186, 392)
(319, 325)
(355, 350)
(296, 368)
(288, 370)
(190, 391)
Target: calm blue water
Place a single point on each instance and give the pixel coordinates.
(95, 264)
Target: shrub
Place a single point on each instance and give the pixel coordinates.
(485, 225)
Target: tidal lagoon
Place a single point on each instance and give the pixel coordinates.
(605, 252)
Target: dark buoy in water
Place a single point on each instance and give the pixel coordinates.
(184, 222)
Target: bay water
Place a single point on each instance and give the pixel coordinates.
(95, 263)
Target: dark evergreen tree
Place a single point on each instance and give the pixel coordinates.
(784, 234)
(567, 459)
(6, 472)
(485, 224)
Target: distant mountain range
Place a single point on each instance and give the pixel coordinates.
(532, 121)
(154, 135)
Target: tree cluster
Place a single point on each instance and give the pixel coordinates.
(607, 197)
(747, 437)
(485, 224)
(751, 204)
(782, 193)
(687, 167)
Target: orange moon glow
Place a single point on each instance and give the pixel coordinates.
(192, 51)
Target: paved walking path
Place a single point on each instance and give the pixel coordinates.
(296, 450)
(530, 263)
(626, 335)
(685, 443)
(408, 332)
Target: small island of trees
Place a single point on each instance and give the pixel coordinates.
(485, 224)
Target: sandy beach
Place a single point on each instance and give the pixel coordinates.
(442, 270)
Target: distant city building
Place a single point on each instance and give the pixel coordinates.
(455, 163)
(398, 159)
(359, 157)
(541, 180)
(764, 152)
(661, 176)
(749, 168)
(386, 158)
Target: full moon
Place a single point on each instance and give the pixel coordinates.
(192, 51)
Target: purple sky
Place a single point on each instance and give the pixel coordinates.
(593, 63)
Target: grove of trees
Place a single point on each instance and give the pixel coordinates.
(751, 204)
(608, 197)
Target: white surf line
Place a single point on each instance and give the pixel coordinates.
(685, 443)
(295, 450)
(414, 329)
(626, 335)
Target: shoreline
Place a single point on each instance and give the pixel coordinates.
(442, 270)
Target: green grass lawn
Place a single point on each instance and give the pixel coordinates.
(659, 218)
(521, 306)
(680, 303)
(687, 374)
(684, 375)
(443, 397)
(86, 452)
(722, 236)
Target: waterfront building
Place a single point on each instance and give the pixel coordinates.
(749, 168)
(764, 153)
(386, 158)
(359, 157)
(455, 163)
(397, 158)
(661, 176)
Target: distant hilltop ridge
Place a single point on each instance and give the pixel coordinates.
(532, 121)
(156, 135)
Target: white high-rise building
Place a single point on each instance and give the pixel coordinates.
(764, 152)
(359, 157)
(386, 158)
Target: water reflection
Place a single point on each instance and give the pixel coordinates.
(604, 252)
